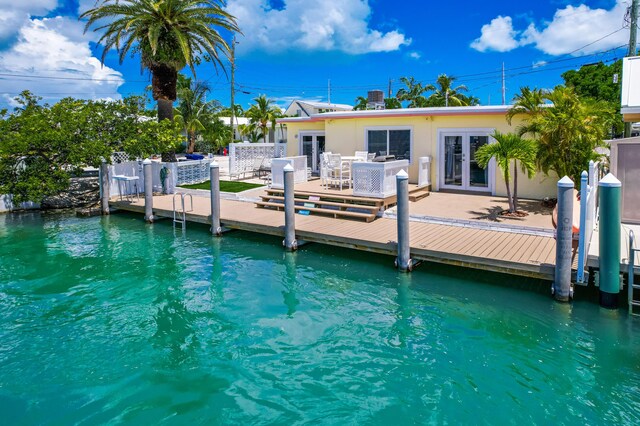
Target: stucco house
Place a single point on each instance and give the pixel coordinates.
(450, 136)
(301, 108)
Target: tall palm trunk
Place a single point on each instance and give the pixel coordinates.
(506, 179)
(163, 83)
(515, 185)
(192, 142)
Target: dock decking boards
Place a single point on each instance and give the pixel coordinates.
(514, 253)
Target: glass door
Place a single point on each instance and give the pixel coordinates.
(453, 161)
(460, 170)
(312, 145)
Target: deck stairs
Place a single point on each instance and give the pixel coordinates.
(418, 194)
(181, 209)
(338, 206)
(632, 287)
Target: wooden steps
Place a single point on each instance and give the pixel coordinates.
(343, 206)
(418, 194)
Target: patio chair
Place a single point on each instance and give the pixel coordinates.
(324, 169)
(371, 156)
(339, 172)
(362, 155)
(257, 164)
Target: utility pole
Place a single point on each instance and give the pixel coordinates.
(504, 89)
(632, 49)
(329, 91)
(233, 72)
(390, 94)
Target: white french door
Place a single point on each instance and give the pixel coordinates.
(457, 163)
(312, 145)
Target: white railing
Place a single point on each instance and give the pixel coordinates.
(242, 156)
(299, 165)
(376, 180)
(588, 215)
(180, 173)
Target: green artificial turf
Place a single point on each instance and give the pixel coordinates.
(225, 186)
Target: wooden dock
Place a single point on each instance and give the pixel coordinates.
(512, 253)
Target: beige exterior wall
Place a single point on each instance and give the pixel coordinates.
(346, 136)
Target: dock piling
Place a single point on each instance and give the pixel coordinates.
(290, 243)
(403, 261)
(564, 233)
(610, 196)
(104, 187)
(148, 190)
(214, 177)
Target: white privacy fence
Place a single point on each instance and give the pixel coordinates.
(424, 171)
(588, 215)
(376, 180)
(122, 176)
(242, 156)
(299, 165)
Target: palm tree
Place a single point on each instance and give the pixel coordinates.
(508, 147)
(360, 104)
(193, 111)
(251, 131)
(264, 114)
(528, 102)
(413, 93)
(568, 131)
(168, 34)
(392, 103)
(446, 95)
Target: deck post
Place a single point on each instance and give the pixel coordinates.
(610, 196)
(148, 190)
(403, 261)
(290, 243)
(104, 187)
(582, 243)
(564, 234)
(214, 178)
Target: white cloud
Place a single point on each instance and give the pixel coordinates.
(415, 55)
(498, 35)
(56, 47)
(575, 27)
(570, 31)
(15, 14)
(329, 25)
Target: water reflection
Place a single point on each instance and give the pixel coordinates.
(290, 283)
(402, 327)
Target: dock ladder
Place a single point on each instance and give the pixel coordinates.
(632, 255)
(180, 212)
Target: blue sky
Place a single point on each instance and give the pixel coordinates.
(290, 49)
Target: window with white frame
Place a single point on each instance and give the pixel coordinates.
(391, 141)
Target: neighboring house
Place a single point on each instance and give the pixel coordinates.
(277, 134)
(309, 108)
(450, 136)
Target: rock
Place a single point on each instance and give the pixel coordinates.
(82, 192)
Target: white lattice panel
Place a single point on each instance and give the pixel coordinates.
(299, 165)
(243, 155)
(119, 157)
(190, 172)
(376, 180)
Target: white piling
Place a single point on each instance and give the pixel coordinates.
(289, 242)
(148, 190)
(214, 176)
(564, 233)
(403, 261)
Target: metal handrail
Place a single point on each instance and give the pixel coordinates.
(631, 269)
(181, 216)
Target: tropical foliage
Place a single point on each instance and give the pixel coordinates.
(194, 112)
(389, 103)
(446, 95)
(508, 148)
(568, 130)
(263, 114)
(42, 146)
(413, 92)
(168, 35)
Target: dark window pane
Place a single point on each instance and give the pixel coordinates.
(377, 141)
(453, 160)
(477, 175)
(400, 144)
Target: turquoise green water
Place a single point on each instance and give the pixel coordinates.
(114, 321)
